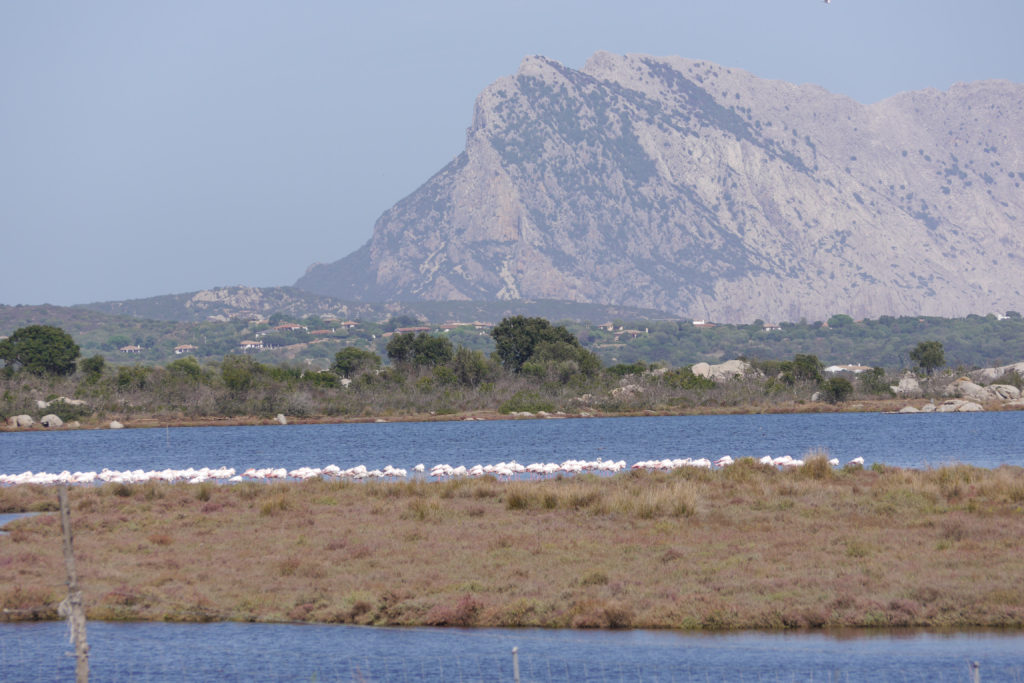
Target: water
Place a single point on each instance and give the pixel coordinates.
(237, 652)
(918, 441)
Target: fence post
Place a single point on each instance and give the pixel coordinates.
(515, 664)
(976, 672)
(72, 605)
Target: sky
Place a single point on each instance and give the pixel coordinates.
(152, 148)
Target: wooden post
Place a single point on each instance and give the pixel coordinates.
(72, 606)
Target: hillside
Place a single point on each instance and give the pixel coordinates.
(708, 192)
(224, 303)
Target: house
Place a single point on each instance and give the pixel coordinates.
(855, 369)
(771, 327)
(131, 348)
(632, 334)
(348, 324)
(407, 330)
(702, 323)
(250, 345)
(289, 327)
(185, 348)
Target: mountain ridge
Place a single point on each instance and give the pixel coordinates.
(708, 192)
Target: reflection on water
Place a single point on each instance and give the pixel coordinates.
(167, 652)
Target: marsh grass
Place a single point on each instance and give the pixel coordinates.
(744, 547)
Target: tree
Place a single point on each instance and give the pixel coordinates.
(420, 349)
(803, 367)
(471, 367)
(929, 356)
(92, 367)
(517, 338)
(837, 390)
(351, 361)
(839, 321)
(41, 350)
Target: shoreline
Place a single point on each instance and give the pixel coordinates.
(144, 422)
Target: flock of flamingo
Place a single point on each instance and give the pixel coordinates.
(502, 470)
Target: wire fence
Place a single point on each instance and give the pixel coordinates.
(16, 666)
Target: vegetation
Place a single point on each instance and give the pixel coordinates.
(536, 366)
(40, 350)
(744, 547)
(929, 356)
(973, 341)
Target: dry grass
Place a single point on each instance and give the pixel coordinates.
(746, 547)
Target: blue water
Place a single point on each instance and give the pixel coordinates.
(918, 441)
(287, 652)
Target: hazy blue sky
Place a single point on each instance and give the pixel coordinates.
(160, 147)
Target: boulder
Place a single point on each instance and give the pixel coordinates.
(114, 424)
(627, 390)
(957, 405)
(51, 420)
(701, 369)
(928, 408)
(1004, 392)
(281, 419)
(965, 388)
(992, 374)
(42, 405)
(909, 409)
(20, 421)
(723, 371)
(907, 388)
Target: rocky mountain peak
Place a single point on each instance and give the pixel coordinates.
(682, 185)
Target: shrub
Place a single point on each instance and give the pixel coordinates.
(873, 381)
(526, 402)
(836, 390)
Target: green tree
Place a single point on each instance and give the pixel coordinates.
(803, 368)
(92, 367)
(837, 390)
(517, 338)
(873, 381)
(471, 367)
(420, 349)
(186, 368)
(351, 361)
(238, 372)
(929, 356)
(40, 350)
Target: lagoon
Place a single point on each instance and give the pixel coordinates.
(286, 652)
(916, 441)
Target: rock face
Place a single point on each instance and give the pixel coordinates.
(956, 405)
(990, 374)
(965, 388)
(908, 387)
(688, 187)
(722, 371)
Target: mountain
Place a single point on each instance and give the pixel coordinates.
(705, 191)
